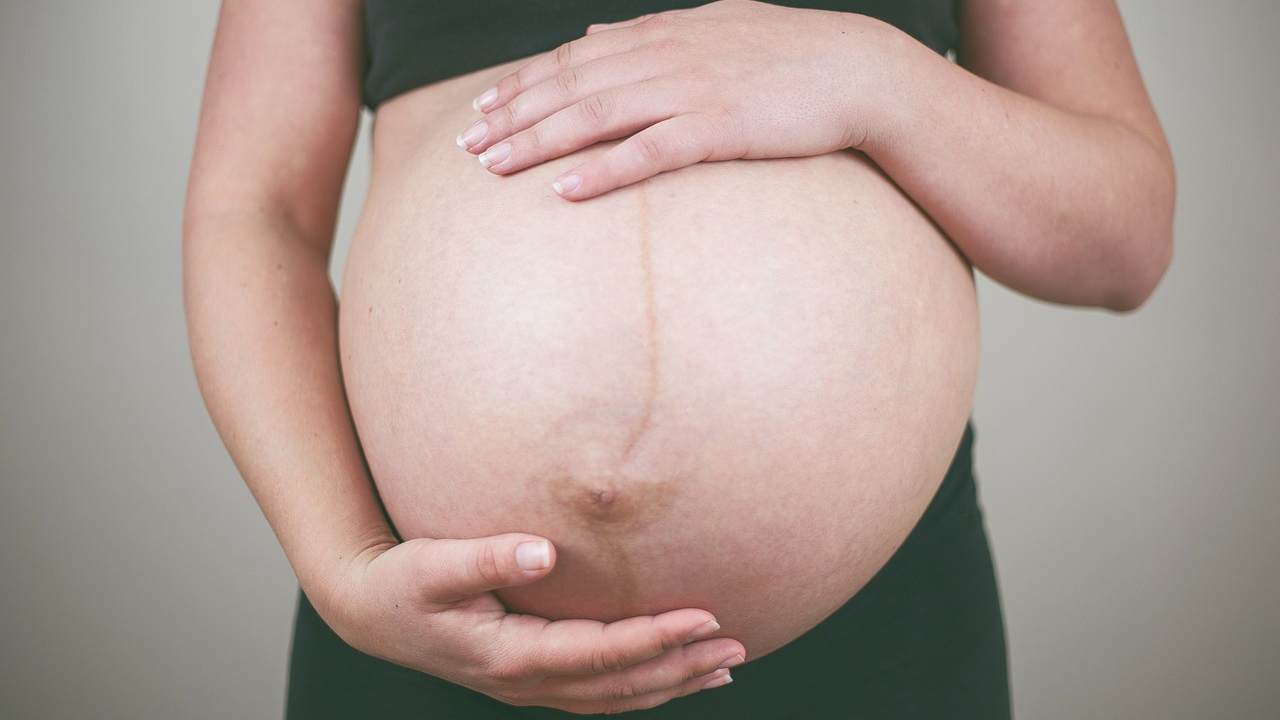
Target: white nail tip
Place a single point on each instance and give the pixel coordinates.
(460, 142)
(485, 99)
(566, 184)
(494, 155)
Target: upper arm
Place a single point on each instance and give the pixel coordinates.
(280, 111)
(1073, 54)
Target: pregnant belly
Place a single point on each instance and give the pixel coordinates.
(735, 386)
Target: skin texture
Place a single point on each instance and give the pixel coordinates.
(1069, 151)
(1064, 150)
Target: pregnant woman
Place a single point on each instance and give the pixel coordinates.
(658, 336)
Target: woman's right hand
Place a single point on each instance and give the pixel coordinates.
(429, 605)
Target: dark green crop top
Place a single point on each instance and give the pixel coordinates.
(411, 43)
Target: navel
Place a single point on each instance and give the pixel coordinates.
(611, 502)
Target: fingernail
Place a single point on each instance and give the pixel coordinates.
(734, 661)
(568, 183)
(716, 682)
(485, 99)
(495, 154)
(533, 555)
(703, 630)
(473, 135)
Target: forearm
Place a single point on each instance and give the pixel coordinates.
(1061, 206)
(261, 317)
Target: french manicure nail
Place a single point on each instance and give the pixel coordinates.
(568, 183)
(495, 154)
(703, 630)
(734, 661)
(485, 99)
(473, 135)
(533, 555)
(716, 682)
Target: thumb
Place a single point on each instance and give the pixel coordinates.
(456, 569)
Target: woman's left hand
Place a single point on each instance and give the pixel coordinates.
(733, 79)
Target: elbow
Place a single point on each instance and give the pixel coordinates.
(1138, 283)
(1145, 259)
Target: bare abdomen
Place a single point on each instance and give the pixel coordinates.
(734, 387)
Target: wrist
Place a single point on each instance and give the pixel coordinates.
(893, 65)
(330, 575)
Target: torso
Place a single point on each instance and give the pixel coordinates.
(735, 386)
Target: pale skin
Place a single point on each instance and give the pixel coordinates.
(1041, 158)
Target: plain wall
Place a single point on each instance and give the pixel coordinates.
(1129, 465)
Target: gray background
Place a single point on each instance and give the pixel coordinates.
(1129, 465)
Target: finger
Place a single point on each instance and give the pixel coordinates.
(552, 63)
(456, 569)
(666, 672)
(534, 647)
(674, 143)
(718, 678)
(556, 93)
(607, 115)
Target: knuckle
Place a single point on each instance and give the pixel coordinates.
(511, 84)
(531, 139)
(563, 55)
(663, 641)
(620, 693)
(521, 80)
(650, 149)
(487, 565)
(512, 112)
(658, 21)
(569, 81)
(604, 661)
(502, 119)
(596, 109)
